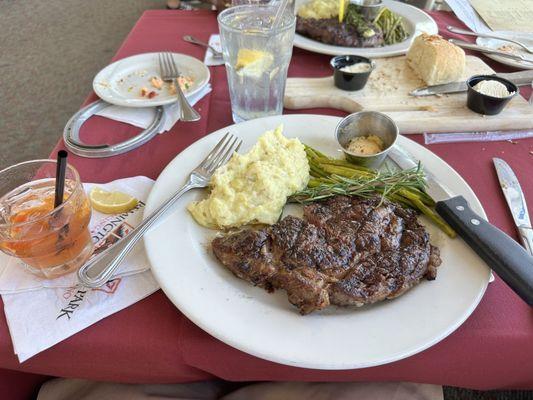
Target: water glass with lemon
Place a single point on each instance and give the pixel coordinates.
(257, 56)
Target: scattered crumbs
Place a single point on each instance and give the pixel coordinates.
(438, 95)
(156, 82)
(511, 141)
(428, 108)
(482, 149)
(104, 84)
(120, 81)
(508, 48)
(130, 88)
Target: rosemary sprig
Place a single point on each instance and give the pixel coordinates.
(330, 177)
(385, 183)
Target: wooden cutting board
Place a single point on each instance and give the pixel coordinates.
(388, 90)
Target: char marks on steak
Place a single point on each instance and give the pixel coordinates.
(331, 31)
(346, 251)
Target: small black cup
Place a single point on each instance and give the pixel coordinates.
(350, 80)
(485, 104)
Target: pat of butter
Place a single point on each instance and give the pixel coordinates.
(366, 145)
(492, 88)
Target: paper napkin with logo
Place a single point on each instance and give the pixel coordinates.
(41, 312)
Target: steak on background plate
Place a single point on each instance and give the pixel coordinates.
(346, 251)
(331, 31)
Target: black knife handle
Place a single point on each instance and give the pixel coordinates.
(504, 255)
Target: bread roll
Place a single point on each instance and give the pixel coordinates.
(436, 60)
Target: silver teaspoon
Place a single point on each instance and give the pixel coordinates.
(193, 40)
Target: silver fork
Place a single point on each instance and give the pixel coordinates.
(170, 73)
(99, 270)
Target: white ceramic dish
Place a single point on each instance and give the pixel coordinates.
(120, 83)
(417, 21)
(526, 38)
(266, 325)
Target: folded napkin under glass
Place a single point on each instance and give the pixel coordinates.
(209, 59)
(41, 313)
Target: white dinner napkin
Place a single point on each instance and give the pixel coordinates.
(41, 313)
(143, 117)
(214, 41)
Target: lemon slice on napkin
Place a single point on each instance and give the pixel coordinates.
(111, 202)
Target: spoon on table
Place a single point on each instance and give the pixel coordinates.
(193, 40)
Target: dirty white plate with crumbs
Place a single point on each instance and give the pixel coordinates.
(265, 324)
(124, 82)
(511, 48)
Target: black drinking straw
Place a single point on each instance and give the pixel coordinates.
(60, 177)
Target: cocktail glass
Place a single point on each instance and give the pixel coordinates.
(257, 58)
(50, 241)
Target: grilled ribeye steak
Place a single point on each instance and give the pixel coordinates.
(345, 251)
(331, 31)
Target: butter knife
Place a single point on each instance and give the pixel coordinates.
(501, 252)
(520, 78)
(516, 202)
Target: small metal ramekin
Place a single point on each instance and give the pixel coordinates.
(368, 8)
(366, 123)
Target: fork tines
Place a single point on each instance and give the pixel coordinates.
(222, 152)
(168, 67)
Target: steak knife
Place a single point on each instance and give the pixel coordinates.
(520, 78)
(516, 202)
(501, 253)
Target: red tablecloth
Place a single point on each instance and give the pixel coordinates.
(153, 342)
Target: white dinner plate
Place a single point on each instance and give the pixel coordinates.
(526, 38)
(120, 83)
(416, 21)
(267, 325)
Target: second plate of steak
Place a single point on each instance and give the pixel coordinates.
(346, 251)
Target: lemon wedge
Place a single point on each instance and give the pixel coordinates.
(111, 202)
(343, 4)
(253, 62)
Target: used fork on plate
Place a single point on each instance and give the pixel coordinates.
(524, 46)
(170, 73)
(100, 269)
(488, 50)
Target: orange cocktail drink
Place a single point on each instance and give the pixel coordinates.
(51, 241)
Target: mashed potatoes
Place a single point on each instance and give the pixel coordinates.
(253, 188)
(319, 9)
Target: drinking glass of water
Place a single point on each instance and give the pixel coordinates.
(257, 56)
